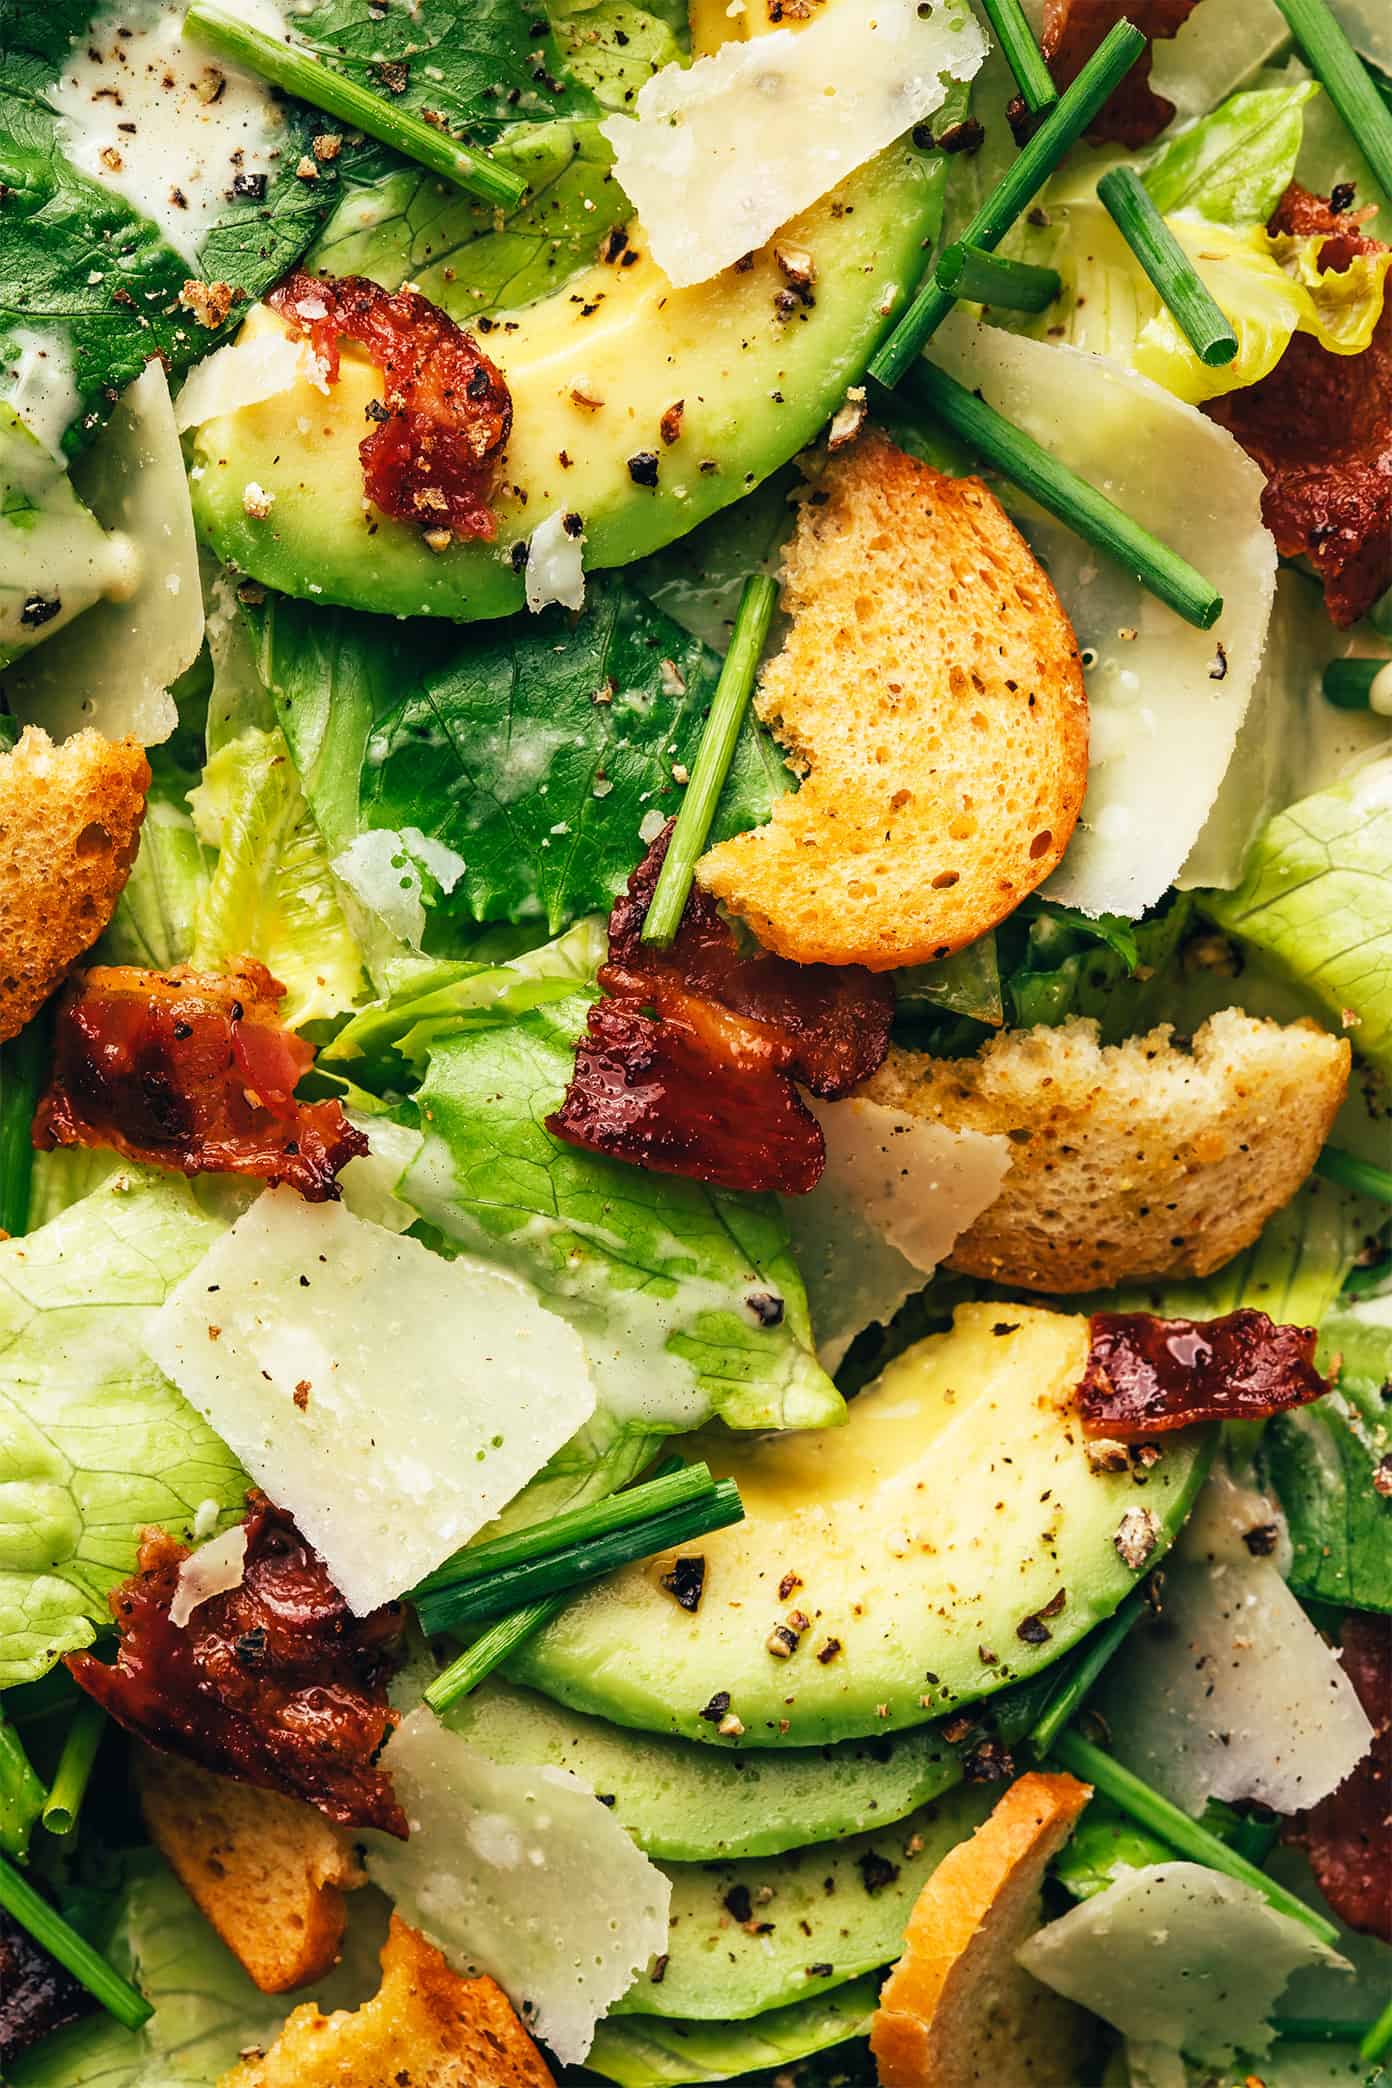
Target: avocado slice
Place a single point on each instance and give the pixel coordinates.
(926, 1542)
(593, 370)
(655, 2052)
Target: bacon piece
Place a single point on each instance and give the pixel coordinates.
(1320, 427)
(191, 1070)
(1147, 1375)
(1348, 1835)
(446, 415)
(274, 1682)
(1073, 29)
(36, 1994)
(687, 1066)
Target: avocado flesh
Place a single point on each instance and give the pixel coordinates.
(651, 2052)
(754, 389)
(953, 1506)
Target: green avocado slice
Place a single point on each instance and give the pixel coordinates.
(640, 408)
(661, 2052)
(951, 1538)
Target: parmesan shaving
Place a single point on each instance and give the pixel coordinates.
(245, 373)
(211, 1570)
(382, 869)
(723, 152)
(555, 563)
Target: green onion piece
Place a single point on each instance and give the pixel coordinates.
(1076, 1686)
(61, 1940)
(713, 758)
(1346, 80)
(1023, 55)
(21, 1794)
(574, 1526)
(1184, 1835)
(1340, 1167)
(1377, 2038)
(1348, 684)
(1197, 314)
(489, 1650)
(69, 1786)
(1026, 175)
(1359, 1282)
(22, 1063)
(1081, 506)
(560, 1573)
(1317, 2030)
(300, 73)
(981, 277)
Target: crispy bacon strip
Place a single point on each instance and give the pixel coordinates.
(274, 1682)
(36, 1994)
(687, 1065)
(1348, 1835)
(1320, 426)
(1146, 1375)
(446, 415)
(191, 1070)
(1072, 31)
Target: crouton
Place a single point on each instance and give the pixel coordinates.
(957, 2010)
(69, 829)
(425, 2025)
(269, 1872)
(930, 695)
(1131, 1160)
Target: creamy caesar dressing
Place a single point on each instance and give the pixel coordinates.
(37, 380)
(56, 560)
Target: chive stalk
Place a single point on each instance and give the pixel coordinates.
(48, 1928)
(1168, 1824)
(21, 1078)
(1022, 53)
(1195, 311)
(1076, 1686)
(1346, 80)
(1353, 685)
(70, 1780)
(300, 73)
(1026, 175)
(1350, 1173)
(1377, 2039)
(489, 1650)
(713, 758)
(1085, 510)
(977, 275)
(21, 1794)
(1316, 2030)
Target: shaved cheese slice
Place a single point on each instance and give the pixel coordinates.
(1178, 1955)
(382, 869)
(1166, 701)
(211, 1570)
(520, 1873)
(113, 666)
(723, 152)
(245, 373)
(392, 1400)
(555, 563)
(895, 1193)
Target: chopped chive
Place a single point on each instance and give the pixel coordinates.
(1359, 1282)
(69, 1786)
(21, 1077)
(489, 1650)
(300, 73)
(1377, 2038)
(713, 758)
(1349, 1173)
(561, 1572)
(21, 1793)
(574, 1526)
(1317, 2030)
(1081, 506)
(1074, 1689)
(61, 1941)
(1346, 80)
(1022, 53)
(1184, 1835)
(977, 275)
(1353, 685)
(1026, 175)
(1195, 311)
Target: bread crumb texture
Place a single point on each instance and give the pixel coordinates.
(425, 2027)
(930, 696)
(957, 2011)
(69, 830)
(1148, 1158)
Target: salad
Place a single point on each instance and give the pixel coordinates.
(695, 1043)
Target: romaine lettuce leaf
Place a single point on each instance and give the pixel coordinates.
(1234, 166)
(660, 2052)
(94, 1442)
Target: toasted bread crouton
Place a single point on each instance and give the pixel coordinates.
(957, 2011)
(931, 697)
(1131, 1160)
(69, 829)
(269, 1872)
(425, 2025)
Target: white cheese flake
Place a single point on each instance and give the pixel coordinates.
(555, 563)
(523, 1874)
(382, 869)
(211, 1570)
(722, 153)
(244, 373)
(392, 1400)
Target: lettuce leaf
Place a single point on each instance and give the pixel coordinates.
(94, 1442)
(659, 2052)
(1234, 166)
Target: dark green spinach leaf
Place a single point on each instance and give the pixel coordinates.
(1328, 1464)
